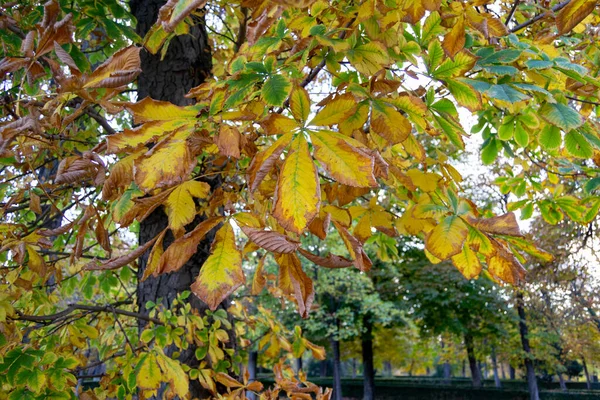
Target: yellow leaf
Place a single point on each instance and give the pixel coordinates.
(298, 189)
(154, 110)
(454, 41)
(447, 238)
(573, 13)
(368, 58)
(356, 120)
(390, 124)
(467, 263)
(335, 111)
(166, 164)
(464, 94)
(154, 257)
(300, 103)
(259, 280)
(180, 203)
(355, 248)
(131, 140)
(175, 375)
(265, 160)
(426, 181)
(277, 124)
(148, 375)
(221, 274)
(479, 242)
(342, 160)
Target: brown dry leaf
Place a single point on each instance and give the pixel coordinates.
(121, 261)
(186, 246)
(271, 240)
(331, 261)
(355, 248)
(292, 279)
(505, 224)
(228, 141)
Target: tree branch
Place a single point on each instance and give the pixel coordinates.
(538, 17)
(52, 318)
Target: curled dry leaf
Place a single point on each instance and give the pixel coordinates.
(331, 261)
(505, 224)
(271, 240)
(121, 261)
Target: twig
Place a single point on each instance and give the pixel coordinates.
(512, 12)
(583, 100)
(538, 17)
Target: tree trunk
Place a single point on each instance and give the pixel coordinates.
(511, 372)
(587, 374)
(337, 370)
(252, 363)
(495, 367)
(503, 371)
(185, 65)
(464, 369)
(561, 382)
(475, 373)
(298, 365)
(323, 369)
(447, 373)
(354, 368)
(367, 354)
(523, 331)
(388, 369)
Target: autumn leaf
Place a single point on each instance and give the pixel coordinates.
(330, 261)
(271, 240)
(447, 238)
(180, 203)
(221, 274)
(229, 141)
(467, 263)
(265, 160)
(573, 13)
(342, 161)
(298, 190)
(505, 224)
(454, 41)
(180, 251)
(296, 282)
(120, 69)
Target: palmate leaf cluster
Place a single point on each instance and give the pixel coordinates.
(82, 162)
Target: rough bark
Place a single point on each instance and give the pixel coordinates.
(475, 372)
(524, 332)
(368, 366)
(495, 367)
(337, 370)
(186, 64)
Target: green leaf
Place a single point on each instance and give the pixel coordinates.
(550, 137)
(506, 93)
(521, 135)
(538, 64)
(506, 130)
(561, 115)
(577, 145)
(592, 184)
(489, 152)
(276, 89)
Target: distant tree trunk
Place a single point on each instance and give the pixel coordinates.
(368, 368)
(337, 370)
(298, 365)
(524, 332)
(464, 368)
(511, 372)
(447, 373)
(495, 367)
(387, 366)
(354, 368)
(323, 369)
(503, 371)
(475, 373)
(561, 382)
(252, 363)
(587, 374)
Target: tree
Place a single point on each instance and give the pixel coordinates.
(256, 156)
